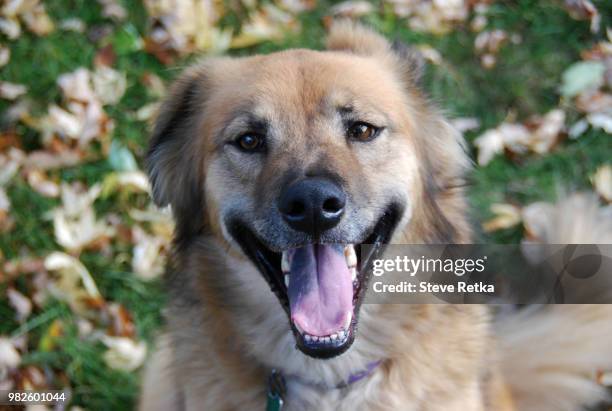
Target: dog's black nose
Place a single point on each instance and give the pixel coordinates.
(312, 205)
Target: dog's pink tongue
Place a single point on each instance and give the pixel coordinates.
(320, 289)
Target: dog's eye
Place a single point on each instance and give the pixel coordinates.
(361, 131)
(250, 142)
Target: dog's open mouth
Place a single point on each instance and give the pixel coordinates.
(320, 285)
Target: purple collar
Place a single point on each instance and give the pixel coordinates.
(277, 381)
(360, 375)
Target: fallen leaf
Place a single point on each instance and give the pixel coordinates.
(602, 182)
(113, 9)
(10, 91)
(6, 221)
(437, 16)
(20, 303)
(31, 12)
(74, 223)
(539, 135)
(5, 55)
(547, 132)
(73, 24)
(42, 185)
(109, 85)
(10, 27)
(72, 282)
(9, 356)
(148, 257)
(124, 353)
(582, 76)
(601, 120)
(106, 56)
(160, 221)
(584, 10)
(492, 142)
(121, 158)
(125, 181)
(121, 323)
(352, 9)
(36, 19)
(506, 216)
(268, 23)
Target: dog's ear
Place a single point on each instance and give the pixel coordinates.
(346, 35)
(172, 161)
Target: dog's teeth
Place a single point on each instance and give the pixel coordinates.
(349, 318)
(353, 273)
(307, 338)
(334, 337)
(349, 254)
(287, 280)
(315, 338)
(341, 334)
(285, 266)
(326, 340)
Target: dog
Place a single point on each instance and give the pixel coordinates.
(277, 167)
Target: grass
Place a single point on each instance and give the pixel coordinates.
(523, 83)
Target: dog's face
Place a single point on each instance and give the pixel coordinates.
(296, 159)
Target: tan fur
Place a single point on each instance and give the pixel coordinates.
(225, 329)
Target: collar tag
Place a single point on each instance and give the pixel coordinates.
(275, 403)
(276, 392)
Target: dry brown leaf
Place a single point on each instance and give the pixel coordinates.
(31, 12)
(72, 282)
(584, 10)
(602, 182)
(434, 16)
(267, 23)
(83, 118)
(506, 216)
(593, 102)
(493, 142)
(121, 323)
(540, 135)
(74, 223)
(41, 184)
(159, 220)
(105, 56)
(185, 26)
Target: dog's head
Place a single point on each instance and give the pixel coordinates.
(296, 158)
